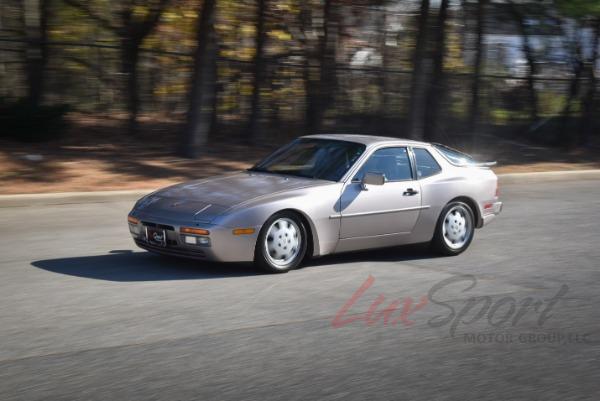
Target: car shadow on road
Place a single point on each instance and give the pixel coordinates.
(403, 253)
(127, 266)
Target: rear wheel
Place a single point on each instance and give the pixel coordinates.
(454, 230)
(281, 243)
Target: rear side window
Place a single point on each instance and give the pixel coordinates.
(426, 164)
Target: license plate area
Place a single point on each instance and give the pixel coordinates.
(156, 236)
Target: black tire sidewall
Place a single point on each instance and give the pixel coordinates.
(260, 258)
(438, 242)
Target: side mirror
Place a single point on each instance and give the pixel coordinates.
(372, 179)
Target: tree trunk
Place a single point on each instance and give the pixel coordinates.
(416, 96)
(382, 123)
(327, 56)
(474, 118)
(436, 88)
(252, 128)
(200, 116)
(130, 49)
(133, 32)
(586, 126)
(566, 138)
(318, 68)
(312, 92)
(528, 51)
(36, 24)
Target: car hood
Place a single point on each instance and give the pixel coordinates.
(208, 198)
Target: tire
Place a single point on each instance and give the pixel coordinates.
(281, 244)
(454, 230)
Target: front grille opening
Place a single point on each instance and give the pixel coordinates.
(161, 226)
(182, 252)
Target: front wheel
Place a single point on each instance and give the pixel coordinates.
(281, 243)
(455, 229)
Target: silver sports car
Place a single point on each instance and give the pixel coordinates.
(323, 194)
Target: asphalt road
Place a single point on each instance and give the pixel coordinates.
(85, 315)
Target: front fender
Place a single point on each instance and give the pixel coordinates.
(315, 204)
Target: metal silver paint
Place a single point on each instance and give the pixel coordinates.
(340, 215)
(406, 209)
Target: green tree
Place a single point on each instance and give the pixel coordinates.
(131, 21)
(585, 14)
(519, 16)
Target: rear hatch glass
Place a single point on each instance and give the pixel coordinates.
(459, 158)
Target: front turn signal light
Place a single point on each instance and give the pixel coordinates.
(133, 220)
(243, 231)
(195, 231)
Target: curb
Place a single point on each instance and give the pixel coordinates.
(65, 198)
(548, 176)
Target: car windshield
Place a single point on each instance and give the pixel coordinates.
(323, 159)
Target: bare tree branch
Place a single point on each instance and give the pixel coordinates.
(152, 19)
(105, 23)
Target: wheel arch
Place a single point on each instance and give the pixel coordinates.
(474, 207)
(313, 239)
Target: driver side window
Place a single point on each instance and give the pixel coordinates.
(393, 163)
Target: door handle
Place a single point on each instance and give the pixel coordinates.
(410, 192)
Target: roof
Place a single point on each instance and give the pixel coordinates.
(367, 139)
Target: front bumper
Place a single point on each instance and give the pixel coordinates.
(224, 245)
(490, 213)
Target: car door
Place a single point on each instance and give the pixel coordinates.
(391, 208)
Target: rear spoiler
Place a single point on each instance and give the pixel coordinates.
(483, 164)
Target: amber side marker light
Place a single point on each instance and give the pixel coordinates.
(133, 220)
(195, 231)
(243, 231)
